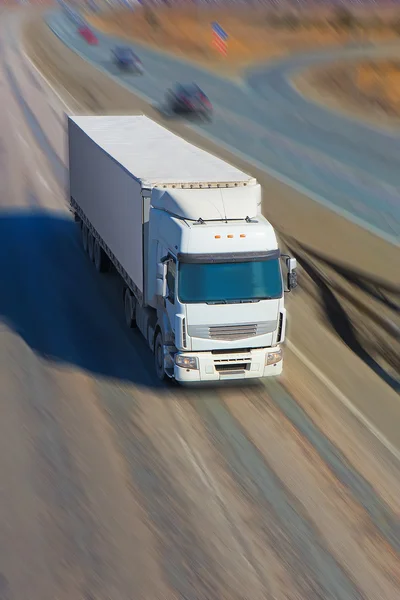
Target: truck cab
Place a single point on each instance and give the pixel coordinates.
(215, 278)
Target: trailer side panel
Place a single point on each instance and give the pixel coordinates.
(111, 199)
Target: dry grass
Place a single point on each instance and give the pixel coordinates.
(380, 82)
(370, 89)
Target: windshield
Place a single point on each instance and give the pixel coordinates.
(229, 282)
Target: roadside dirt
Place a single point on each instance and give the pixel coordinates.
(367, 89)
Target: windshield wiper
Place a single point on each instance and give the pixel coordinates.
(237, 301)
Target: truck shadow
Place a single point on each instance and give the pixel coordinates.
(64, 311)
(52, 297)
(337, 316)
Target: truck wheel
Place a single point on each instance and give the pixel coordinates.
(130, 309)
(90, 246)
(159, 357)
(100, 258)
(84, 234)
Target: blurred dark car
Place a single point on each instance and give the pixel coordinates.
(126, 59)
(186, 99)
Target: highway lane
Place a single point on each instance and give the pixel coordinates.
(347, 166)
(364, 148)
(115, 487)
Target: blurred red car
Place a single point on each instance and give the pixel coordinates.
(88, 34)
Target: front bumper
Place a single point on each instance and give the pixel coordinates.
(229, 366)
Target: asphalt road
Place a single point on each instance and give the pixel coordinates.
(115, 487)
(347, 165)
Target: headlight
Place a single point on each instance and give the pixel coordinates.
(273, 357)
(186, 362)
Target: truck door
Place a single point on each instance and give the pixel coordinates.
(171, 291)
(169, 302)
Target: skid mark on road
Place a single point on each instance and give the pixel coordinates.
(68, 525)
(189, 566)
(59, 169)
(383, 518)
(297, 542)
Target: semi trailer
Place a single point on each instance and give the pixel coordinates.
(203, 276)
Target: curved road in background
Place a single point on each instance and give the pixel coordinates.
(351, 167)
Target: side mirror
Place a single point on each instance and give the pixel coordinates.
(291, 265)
(161, 281)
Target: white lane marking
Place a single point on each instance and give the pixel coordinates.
(43, 181)
(205, 477)
(344, 400)
(209, 481)
(51, 87)
(310, 365)
(32, 155)
(22, 139)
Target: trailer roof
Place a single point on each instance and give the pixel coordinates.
(153, 154)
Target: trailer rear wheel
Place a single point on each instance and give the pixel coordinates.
(84, 233)
(91, 246)
(130, 308)
(159, 357)
(101, 261)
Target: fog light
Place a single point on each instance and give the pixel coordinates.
(273, 357)
(186, 362)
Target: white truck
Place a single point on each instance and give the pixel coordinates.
(200, 265)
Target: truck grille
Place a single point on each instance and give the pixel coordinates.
(229, 363)
(231, 332)
(232, 368)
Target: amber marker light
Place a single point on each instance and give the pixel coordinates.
(217, 237)
(229, 236)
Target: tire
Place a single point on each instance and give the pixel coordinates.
(90, 246)
(84, 233)
(129, 309)
(100, 258)
(159, 358)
